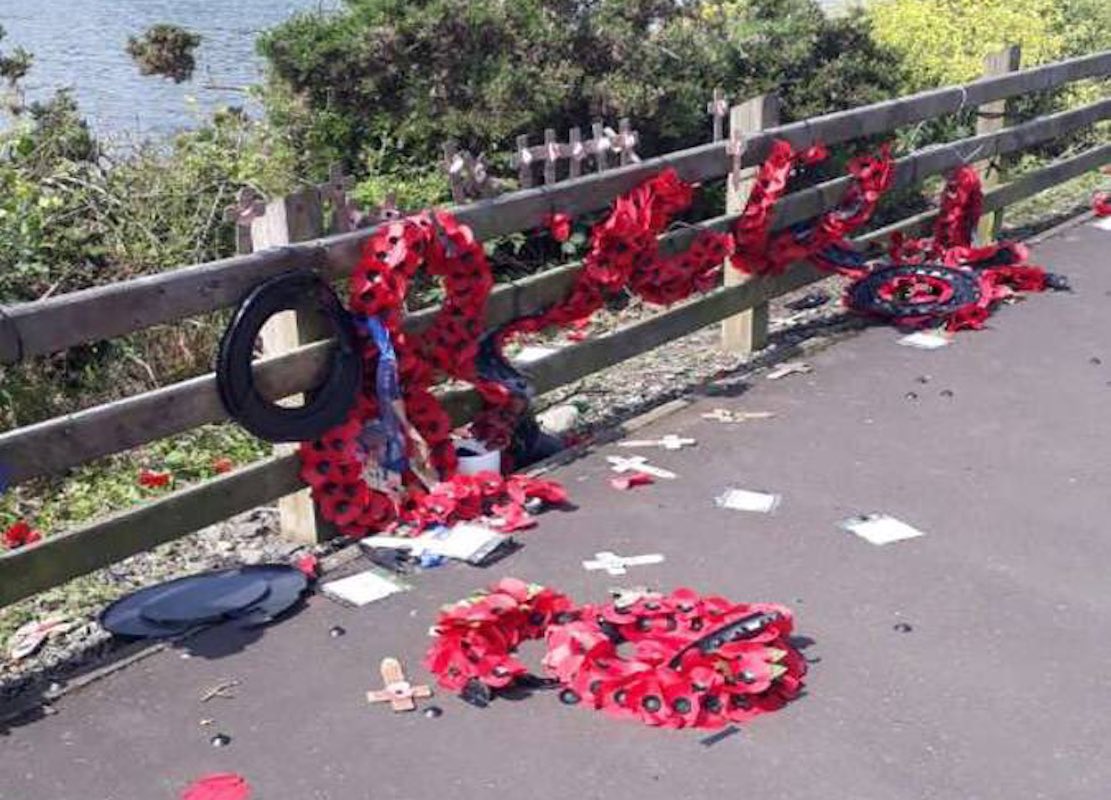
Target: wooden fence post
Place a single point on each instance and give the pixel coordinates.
(993, 117)
(294, 218)
(747, 332)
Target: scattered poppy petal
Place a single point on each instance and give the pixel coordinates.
(626, 482)
(220, 786)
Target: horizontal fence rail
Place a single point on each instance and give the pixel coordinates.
(58, 444)
(53, 446)
(104, 312)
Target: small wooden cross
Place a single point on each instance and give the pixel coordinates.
(669, 442)
(249, 205)
(398, 692)
(638, 464)
(736, 147)
(718, 108)
(345, 214)
(618, 565)
(469, 176)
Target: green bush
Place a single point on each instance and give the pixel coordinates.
(398, 79)
(945, 41)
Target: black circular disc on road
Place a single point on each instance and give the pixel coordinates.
(282, 586)
(286, 585)
(325, 406)
(881, 292)
(206, 598)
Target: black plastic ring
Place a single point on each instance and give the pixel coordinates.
(325, 406)
(863, 295)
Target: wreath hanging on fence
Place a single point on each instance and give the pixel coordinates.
(342, 466)
(941, 279)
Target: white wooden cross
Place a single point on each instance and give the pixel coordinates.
(724, 415)
(617, 565)
(638, 464)
(669, 442)
(718, 108)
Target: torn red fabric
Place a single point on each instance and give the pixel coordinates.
(20, 534)
(219, 786)
(154, 480)
(633, 479)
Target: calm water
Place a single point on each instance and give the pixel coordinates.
(80, 43)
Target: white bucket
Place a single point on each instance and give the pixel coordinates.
(485, 461)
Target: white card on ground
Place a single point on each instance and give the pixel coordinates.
(361, 589)
(880, 529)
(926, 340)
(746, 500)
(1104, 223)
(465, 541)
(531, 353)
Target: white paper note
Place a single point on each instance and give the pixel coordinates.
(745, 500)
(361, 589)
(880, 529)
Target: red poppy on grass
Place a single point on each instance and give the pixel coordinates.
(1101, 204)
(20, 534)
(559, 225)
(222, 465)
(154, 480)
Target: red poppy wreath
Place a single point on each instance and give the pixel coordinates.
(675, 661)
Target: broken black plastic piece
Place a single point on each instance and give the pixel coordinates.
(809, 301)
(477, 693)
(1056, 282)
(744, 628)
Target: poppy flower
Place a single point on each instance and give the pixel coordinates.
(308, 564)
(19, 535)
(222, 465)
(559, 225)
(1101, 204)
(154, 480)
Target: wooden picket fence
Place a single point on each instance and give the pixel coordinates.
(54, 324)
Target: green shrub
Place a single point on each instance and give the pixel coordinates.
(945, 41)
(415, 74)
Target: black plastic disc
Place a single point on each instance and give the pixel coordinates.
(326, 406)
(864, 295)
(206, 599)
(282, 586)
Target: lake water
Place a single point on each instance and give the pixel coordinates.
(80, 43)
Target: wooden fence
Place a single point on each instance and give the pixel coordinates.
(54, 324)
